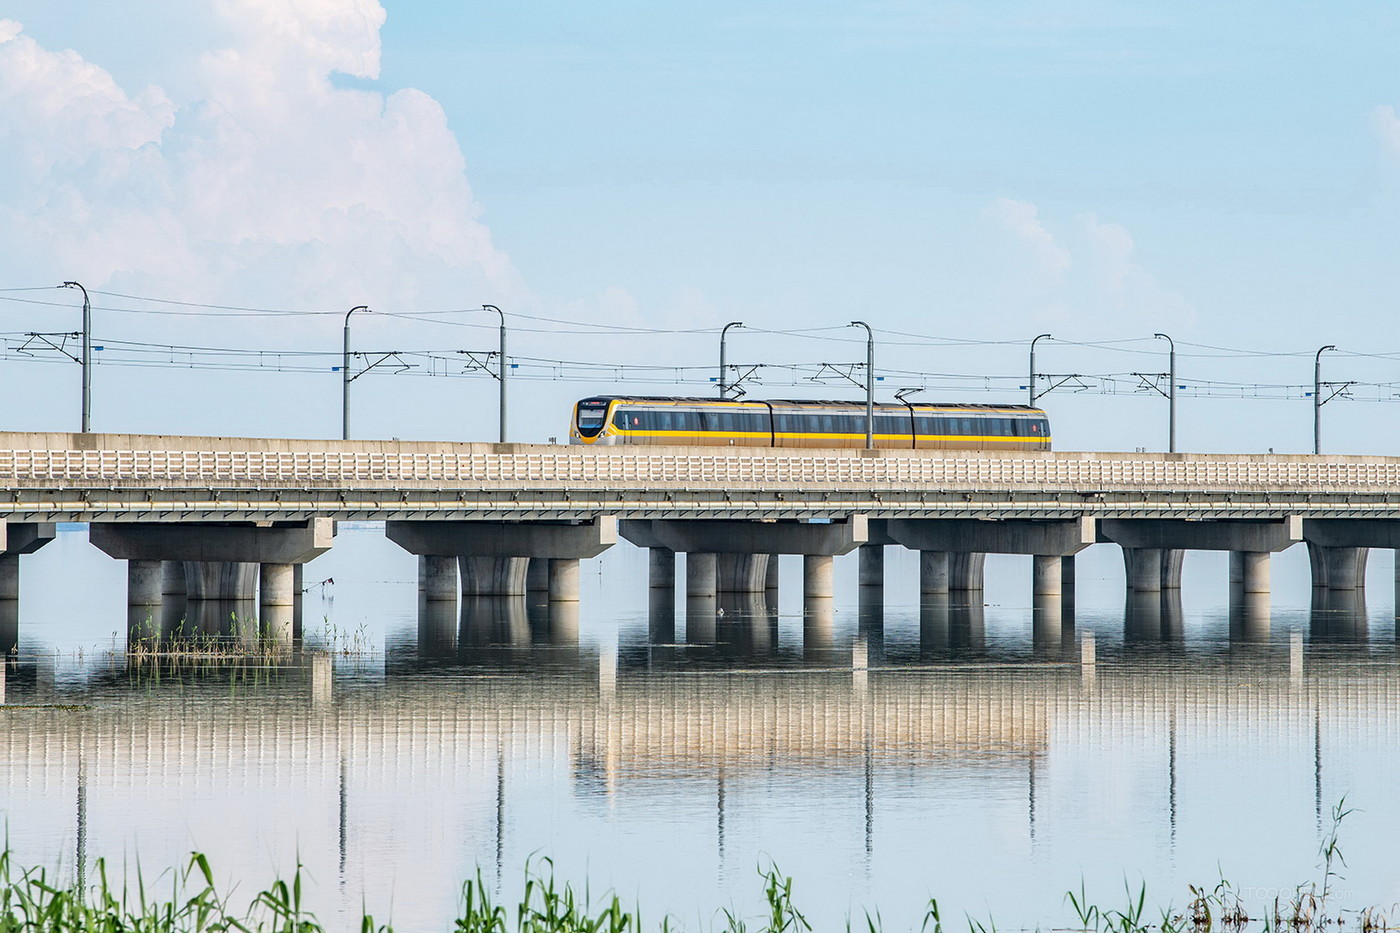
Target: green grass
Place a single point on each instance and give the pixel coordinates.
(189, 901)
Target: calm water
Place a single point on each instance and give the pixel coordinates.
(973, 756)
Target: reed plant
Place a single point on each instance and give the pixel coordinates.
(189, 901)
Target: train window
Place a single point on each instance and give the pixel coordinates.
(666, 419)
(891, 424)
(828, 423)
(965, 427)
(621, 418)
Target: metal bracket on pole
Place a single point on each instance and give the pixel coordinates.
(842, 371)
(1337, 390)
(746, 373)
(480, 361)
(35, 341)
(383, 358)
(1152, 382)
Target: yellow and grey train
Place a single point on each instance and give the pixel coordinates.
(614, 419)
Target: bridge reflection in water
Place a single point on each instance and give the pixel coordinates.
(689, 722)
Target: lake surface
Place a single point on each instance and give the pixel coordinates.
(993, 757)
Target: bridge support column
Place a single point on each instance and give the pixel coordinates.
(818, 576)
(220, 579)
(493, 576)
(1172, 561)
(537, 576)
(741, 573)
(18, 538)
(661, 568)
(872, 564)
(1238, 536)
(701, 575)
(275, 586)
(1337, 567)
(1143, 569)
(1047, 577)
(220, 560)
(143, 579)
(962, 545)
(172, 573)
(437, 577)
(494, 558)
(770, 577)
(564, 577)
(965, 571)
(9, 576)
(750, 545)
(1253, 571)
(933, 573)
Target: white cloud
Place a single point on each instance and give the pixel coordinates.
(1088, 274)
(272, 185)
(1022, 221)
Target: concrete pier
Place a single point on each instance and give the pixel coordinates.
(437, 577)
(1142, 567)
(18, 538)
(564, 577)
(770, 578)
(537, 576)
(143, 583)
(661, 568)
(1046, 575)
(1337, 567)
(818, 577)
(494, 556)
(1254, 571)
(220, 579)
(9, 630)
(220, 560)
(741, 573)
(965, 571)
(871, 571)
(275, 586)
(748, 548)
(933, 573)
(9, 576)
(700, 576)
(1154, 547)
(279, 623)
(173, 577)
(493, 576)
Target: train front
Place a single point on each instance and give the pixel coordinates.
(590, 424)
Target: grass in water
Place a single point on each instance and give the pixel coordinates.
(189, 901)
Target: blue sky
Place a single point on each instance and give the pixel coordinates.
(985, 172)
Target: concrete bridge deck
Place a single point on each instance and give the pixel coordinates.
(244, 514)
(116, 477)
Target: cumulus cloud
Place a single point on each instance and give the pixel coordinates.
(273, 183)
(1086, 273)
(1050, 261)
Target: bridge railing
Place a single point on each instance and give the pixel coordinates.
(548, 466)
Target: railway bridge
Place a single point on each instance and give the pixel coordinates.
(206, 517)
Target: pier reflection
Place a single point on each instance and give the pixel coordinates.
(1338, 616)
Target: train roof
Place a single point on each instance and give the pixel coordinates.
(710, 400)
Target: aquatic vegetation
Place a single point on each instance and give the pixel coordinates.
(189, 901)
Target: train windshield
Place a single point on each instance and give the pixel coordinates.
(591, 415)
